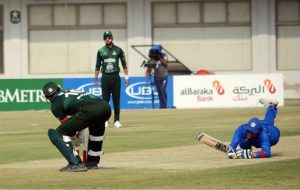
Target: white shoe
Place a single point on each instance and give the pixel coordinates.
(118, 124)
(106, 124)
(268, 102)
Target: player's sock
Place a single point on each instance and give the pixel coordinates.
(65, 148)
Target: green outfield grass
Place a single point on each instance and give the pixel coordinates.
(156, 149)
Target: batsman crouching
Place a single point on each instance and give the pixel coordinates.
(86, 110)
(258, 133)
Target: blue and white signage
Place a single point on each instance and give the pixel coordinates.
(141, 93)
(84, 84)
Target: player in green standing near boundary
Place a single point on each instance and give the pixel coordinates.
(108, 60)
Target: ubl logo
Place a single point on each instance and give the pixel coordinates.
(141, 90)
(91, 89)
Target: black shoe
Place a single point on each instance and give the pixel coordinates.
(74, 168)
(92, 165)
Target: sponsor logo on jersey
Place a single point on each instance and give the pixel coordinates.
(110, 60)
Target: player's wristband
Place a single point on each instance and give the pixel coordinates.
(126, 77)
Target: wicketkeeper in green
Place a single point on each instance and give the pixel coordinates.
(108, 59)
(76, 111)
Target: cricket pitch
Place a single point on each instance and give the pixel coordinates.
(192, 157)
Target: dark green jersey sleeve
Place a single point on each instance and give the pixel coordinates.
(68, 102)
(98, 61)
(57, 110)
(123, 59)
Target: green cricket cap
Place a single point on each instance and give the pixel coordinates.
(107, 33)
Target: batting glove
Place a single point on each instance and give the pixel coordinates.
(244, 154)
(231, 154)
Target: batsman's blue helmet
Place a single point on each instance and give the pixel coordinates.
(253, 125)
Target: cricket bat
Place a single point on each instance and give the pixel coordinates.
(212, 142)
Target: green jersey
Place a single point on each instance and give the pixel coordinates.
(68, 102)
(108, 59)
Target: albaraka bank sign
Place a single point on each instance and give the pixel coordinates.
(226, 90)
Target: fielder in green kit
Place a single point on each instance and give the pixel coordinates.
(76, 111)
(108, 59)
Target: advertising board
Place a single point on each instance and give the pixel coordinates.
(242, 90)
(141, 93)
(23, 94)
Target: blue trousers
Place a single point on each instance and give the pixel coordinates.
(161, 86)
(272, 130)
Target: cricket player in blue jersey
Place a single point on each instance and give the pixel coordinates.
(258, 133)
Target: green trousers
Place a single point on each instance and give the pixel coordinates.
(111, 84)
